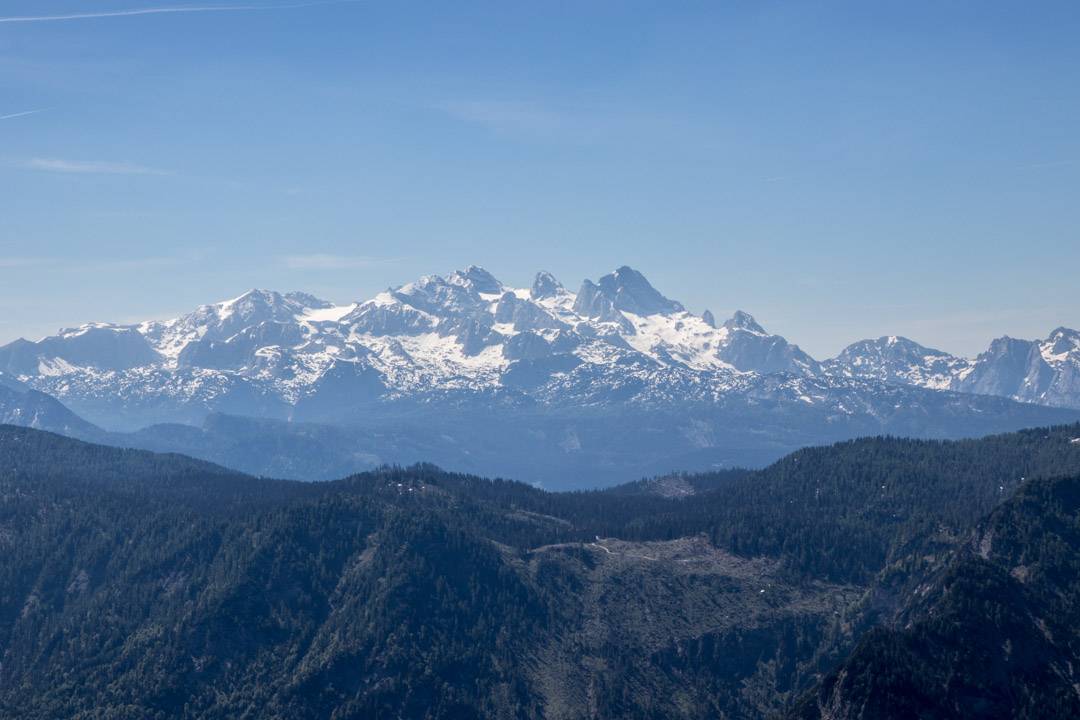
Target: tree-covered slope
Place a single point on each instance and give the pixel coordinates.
(135, 585)
(996, 634)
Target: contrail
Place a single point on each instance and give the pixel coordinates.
(24, 113)
(165, 10)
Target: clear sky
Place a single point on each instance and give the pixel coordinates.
(839, 170)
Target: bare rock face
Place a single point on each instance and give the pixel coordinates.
(1044, 372)
(545, 286)
(750, 349)
(629, 291)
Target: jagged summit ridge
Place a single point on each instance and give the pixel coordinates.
(744, 321)
(1045, 372)
(476, 278)
(896, 359)
(629, 291)
(467, 336)
(462, 335)
(545, 286)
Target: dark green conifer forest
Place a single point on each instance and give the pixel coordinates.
(879, 577)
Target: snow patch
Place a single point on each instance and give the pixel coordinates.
(330, 314)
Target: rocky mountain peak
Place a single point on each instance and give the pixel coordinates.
(545, 286)
(308, 300)
(258, 305)
(629, 291)
(476, 278)
(1064, 340)
(888, 346)
(744, 321)
(441, 297)
(593, 303)
(898, 360)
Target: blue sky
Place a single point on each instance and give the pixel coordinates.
(839, 170)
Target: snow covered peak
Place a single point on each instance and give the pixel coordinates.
(1062, 346)
(629, 290)
(898, 360)
(260, 305)
(744, 321)
(1040, 371)
(893, 346)
(252, 297)
(1064, 339)
(476, 278)
(1046, 372)
(102, 346)
(308, 301)
(750, 349)
(441, 297)
(221, 320)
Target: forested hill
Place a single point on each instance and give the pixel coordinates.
(136, 585)
(993, 635)
(57, 464)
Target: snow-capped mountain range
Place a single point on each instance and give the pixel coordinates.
(431, 339)
(466, 344)
(468, 332)
(1045, 372)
